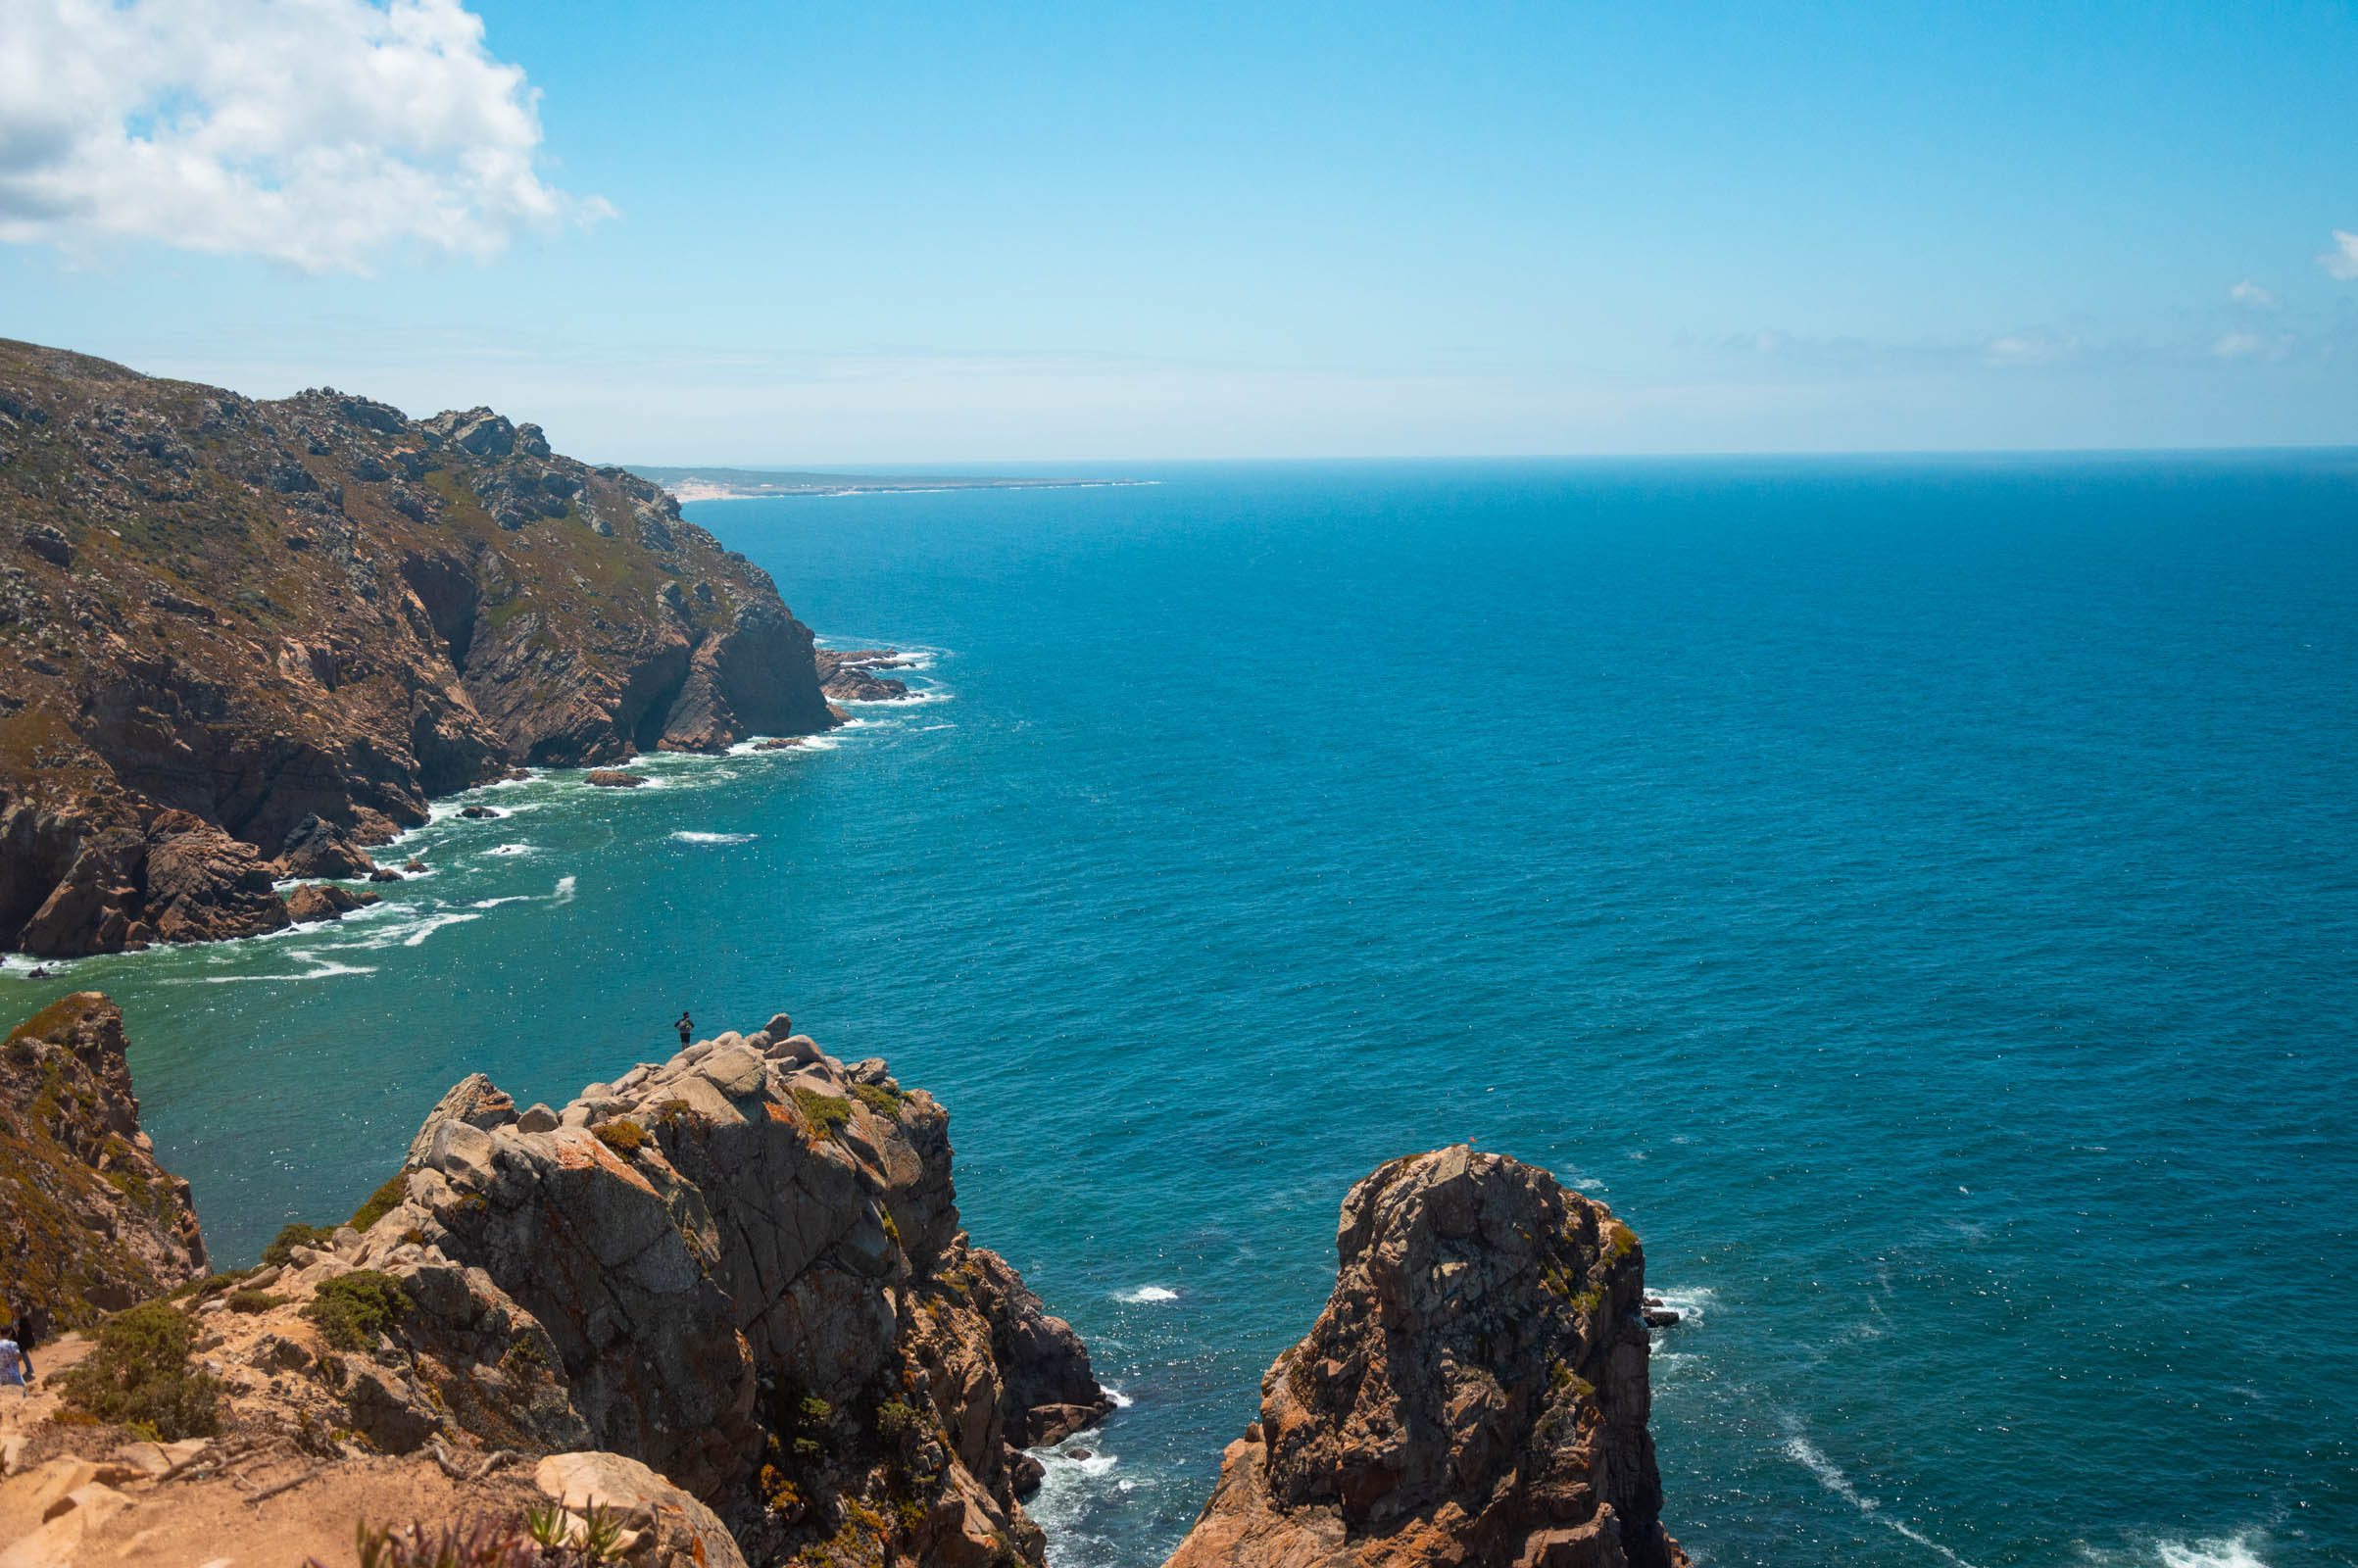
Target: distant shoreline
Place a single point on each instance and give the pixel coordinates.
(753, 484)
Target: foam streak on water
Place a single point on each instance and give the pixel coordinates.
(1916, 897)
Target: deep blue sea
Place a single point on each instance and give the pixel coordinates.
(1921, 897)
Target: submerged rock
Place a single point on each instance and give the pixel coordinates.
(1475, 1391)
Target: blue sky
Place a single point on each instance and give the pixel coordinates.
(869, 233)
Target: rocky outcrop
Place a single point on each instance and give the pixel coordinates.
(324, 901)
(234, 631)
(1475, 1393)
(848, 675)
(320, 848)
(749, 1266)
(729, 1289)
(89, 1223)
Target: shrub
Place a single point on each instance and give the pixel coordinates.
(523, 1356)
(533, 1539)
(282, 1249)
(381, 1202)
(353, 1310)
(254, 1301)
(1624, 1242)
(824, 1112)
(208, 1285)
(141, 1373)
(878, 1098)
(624, 1138)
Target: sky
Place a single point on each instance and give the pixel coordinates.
(860, 235)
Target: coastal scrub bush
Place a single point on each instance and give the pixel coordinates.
(826, 1114)
(282, 1249)
(535, 1538)
(523, 1356)
(878, 1098)
(1624, 1242)
(141, 1373)
(381, 1203)
(208, 1285)
(624, 1138)
(254, 1301)
(353, 1310)
(898, 1423)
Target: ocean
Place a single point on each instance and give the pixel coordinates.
(1920, 895)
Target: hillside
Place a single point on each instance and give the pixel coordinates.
(220, 618)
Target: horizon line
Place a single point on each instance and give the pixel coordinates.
(887, 467)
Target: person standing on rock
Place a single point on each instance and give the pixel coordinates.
(16, 1367)
(686, 1027)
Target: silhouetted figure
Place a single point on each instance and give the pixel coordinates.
(686, 1027)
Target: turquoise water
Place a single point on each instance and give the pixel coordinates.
(1921, 898)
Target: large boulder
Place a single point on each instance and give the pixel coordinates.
(1475, 1391)
(683, 1530)
(319, 847)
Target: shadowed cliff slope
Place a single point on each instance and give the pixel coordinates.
(220, 618)
(89, 1223)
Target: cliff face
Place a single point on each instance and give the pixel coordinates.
(89, 1223)
(220, 618)
(742, 1269)
(1475, 1391)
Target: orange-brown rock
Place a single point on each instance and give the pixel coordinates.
(220, 618)
(1475, 1393)
(324, 901)
(89, 1223)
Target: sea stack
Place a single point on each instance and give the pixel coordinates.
(1475, 1393)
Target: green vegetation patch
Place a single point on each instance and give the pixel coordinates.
(282, 1249)
(381, 1203)
(624, 1138)
(353, 1310)
(824, 1112)
(141, 1373)
(880, 1099)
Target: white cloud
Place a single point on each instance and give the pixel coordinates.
(315, 132)
(2250, 293)
(2029, 348)
(2342, 259)
(2253, 346)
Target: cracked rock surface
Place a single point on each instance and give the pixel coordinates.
(1475, 1393)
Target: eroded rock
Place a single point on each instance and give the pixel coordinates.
(1475, 1391)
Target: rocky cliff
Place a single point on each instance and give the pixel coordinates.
(1475, 1393)
(220, 618)
(741, 1268)
(89, 1223)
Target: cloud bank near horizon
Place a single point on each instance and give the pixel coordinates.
(316, 134)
